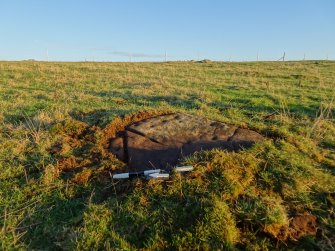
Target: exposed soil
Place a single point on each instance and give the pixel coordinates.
(80, 146)
(142, 141)
(299, 226)
(302, 225)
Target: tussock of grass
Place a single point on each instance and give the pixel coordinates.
(55, 186)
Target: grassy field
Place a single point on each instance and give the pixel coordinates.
(55, 187)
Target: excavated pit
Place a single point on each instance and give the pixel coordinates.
(161, 141)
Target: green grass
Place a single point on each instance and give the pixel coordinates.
(231, 201)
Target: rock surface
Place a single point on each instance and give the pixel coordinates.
(161, 141)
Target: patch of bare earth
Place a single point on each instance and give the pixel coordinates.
(80, 147)
(299, 226)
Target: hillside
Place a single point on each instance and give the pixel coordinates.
(56, 190)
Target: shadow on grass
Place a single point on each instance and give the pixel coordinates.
(63, 218)
(51, 224)
(22, 113)
(98, 117)
(246, 105)
(170, 216)
(190, 102)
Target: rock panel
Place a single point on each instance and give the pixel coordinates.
(160, 141)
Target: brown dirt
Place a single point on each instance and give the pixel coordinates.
(302, 225)
(83, 176)
(83, 151)
(67, 164)
(299, 226)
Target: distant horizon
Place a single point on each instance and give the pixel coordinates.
(163, 58)
(168, 61)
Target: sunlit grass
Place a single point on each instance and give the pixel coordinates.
(232, 200)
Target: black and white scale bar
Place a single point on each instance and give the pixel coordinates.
(153, 173)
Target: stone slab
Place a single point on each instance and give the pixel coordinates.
(162, 141)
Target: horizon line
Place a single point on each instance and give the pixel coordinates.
(163, 61)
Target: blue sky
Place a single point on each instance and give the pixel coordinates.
(144, 30)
